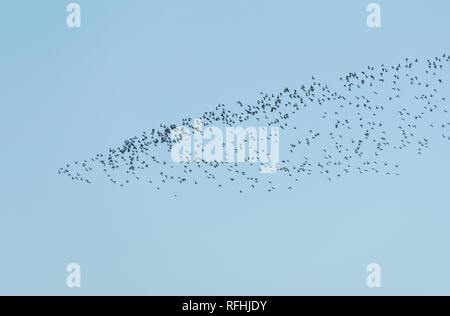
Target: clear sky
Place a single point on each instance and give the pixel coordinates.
(67, 94)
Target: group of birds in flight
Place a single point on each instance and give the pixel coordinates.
(361, 124)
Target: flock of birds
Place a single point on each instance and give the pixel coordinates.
(361, 126)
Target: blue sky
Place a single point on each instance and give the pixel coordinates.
(69, 93)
